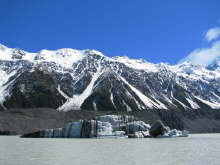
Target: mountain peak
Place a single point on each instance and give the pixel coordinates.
(138, 64)
(3, 47)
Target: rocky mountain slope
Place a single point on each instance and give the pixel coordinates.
(68, 79)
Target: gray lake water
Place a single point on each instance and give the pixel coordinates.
(198, 149)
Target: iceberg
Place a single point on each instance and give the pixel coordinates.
(109, 126)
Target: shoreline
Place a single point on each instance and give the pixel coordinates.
(34, 119)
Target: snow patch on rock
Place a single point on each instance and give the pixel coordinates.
(213, 105)
(4, 78)
(76, 101)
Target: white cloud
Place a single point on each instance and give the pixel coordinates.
(204, 56)
(212, 34)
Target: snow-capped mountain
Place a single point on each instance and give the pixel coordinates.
(68, 79)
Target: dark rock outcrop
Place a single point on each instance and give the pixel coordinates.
(157, 129)
(34, 89)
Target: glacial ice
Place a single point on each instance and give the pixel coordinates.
(104, 126)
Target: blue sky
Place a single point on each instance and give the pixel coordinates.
(155, 30)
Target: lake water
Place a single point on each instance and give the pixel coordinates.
(198, 149)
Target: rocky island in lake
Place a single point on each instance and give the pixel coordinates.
(109, 126)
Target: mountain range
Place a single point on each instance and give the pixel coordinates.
(68, 79)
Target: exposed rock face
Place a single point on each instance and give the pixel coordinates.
(157, 128)
(34, 89)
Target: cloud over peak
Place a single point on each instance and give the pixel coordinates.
(204, 56)
(212, 34)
